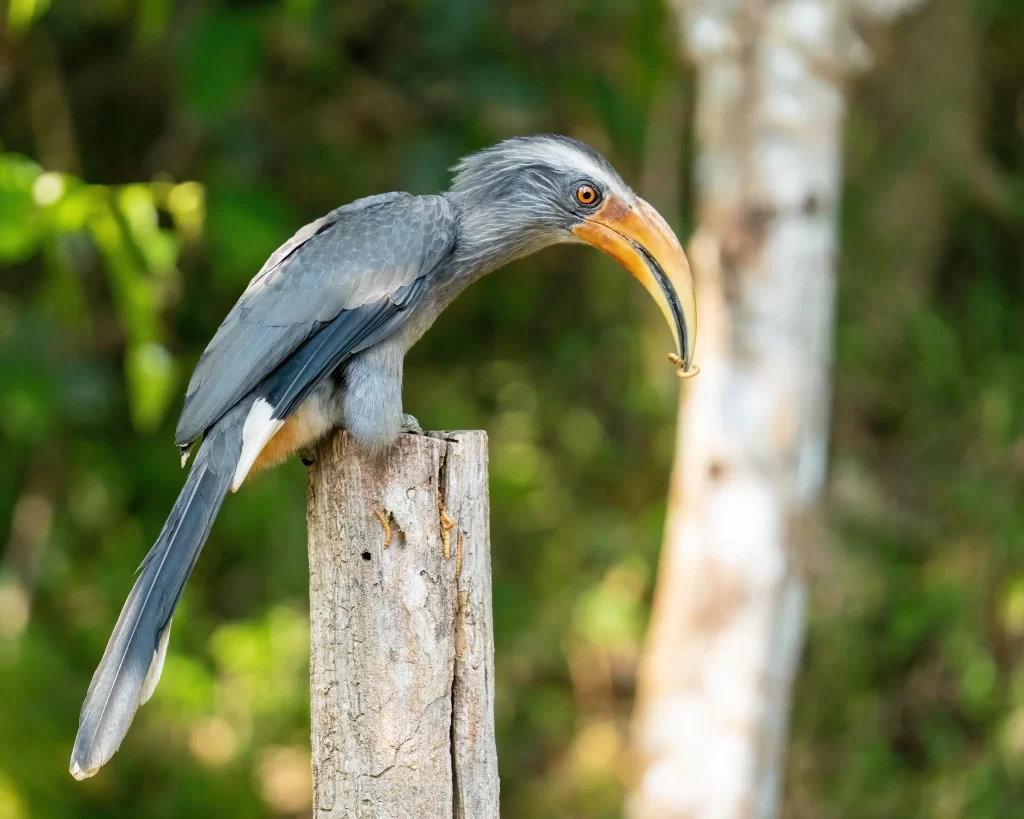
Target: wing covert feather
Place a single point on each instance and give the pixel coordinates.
(354, 256)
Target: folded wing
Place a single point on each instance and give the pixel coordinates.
(364, 257)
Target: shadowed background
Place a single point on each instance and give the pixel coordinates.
(155, 152)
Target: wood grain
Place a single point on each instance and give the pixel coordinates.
(402, 647)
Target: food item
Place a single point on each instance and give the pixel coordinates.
(690, 373)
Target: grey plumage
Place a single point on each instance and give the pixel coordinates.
(317, 340)
(339, 285)
(357, 255)
(117, 687)
(505, 162)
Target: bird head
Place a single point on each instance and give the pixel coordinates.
(535, 191)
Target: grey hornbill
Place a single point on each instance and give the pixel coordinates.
(318, 338)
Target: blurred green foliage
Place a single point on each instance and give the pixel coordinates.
(176, 143)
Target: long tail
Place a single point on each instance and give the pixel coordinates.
(134, 658)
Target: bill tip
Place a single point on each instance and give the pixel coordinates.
(682, 372)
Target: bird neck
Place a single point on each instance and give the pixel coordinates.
(494, 232)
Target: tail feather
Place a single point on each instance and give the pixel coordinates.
(156, 668)
(134, 657)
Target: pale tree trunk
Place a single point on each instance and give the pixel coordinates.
(401, 634)
(728, 619)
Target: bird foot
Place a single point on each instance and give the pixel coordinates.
(308, 456)
(411, 425)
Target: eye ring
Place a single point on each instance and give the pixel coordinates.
(586, 195)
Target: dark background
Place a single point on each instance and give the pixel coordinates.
(155, 152)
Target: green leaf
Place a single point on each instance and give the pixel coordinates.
(21, 14)
(149, 370)
(20, 223)
(245, 226)
(220, 58)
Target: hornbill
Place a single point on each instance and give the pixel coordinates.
(317, 342)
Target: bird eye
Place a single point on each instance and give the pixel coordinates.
(586, 195)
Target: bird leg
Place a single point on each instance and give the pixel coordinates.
(447, 524)
(411, 425)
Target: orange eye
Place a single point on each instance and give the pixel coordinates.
(586, 195)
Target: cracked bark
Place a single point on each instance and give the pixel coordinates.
(402, 647)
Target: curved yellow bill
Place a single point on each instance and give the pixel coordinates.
(638, 238)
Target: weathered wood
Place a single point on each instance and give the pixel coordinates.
(402, 657)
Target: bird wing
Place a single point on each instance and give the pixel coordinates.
(354, 273)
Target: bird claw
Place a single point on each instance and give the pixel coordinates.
(307, 456)
(411, 425)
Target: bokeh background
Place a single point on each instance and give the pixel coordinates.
(154, 152)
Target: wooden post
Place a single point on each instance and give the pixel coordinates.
(402, 646)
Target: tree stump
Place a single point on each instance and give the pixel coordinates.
(401, 636)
